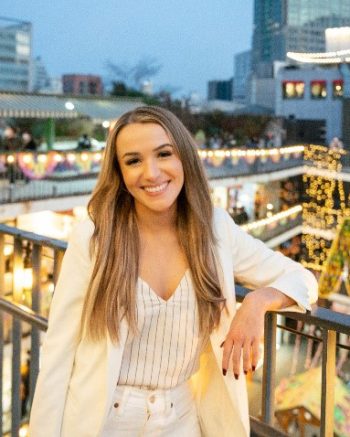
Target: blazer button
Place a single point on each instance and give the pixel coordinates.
(152, 399)
(116, 405)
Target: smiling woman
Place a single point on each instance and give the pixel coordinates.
(144, 337)
(151, 168)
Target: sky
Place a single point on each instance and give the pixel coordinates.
(193, 40)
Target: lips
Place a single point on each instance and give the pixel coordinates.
(156, 188)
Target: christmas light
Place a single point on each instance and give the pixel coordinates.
(320, 214)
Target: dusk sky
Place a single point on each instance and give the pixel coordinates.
(193, 40)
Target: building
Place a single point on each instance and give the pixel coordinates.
(82, 85)
(15, 55)
(41, 79)
(242, 72)
(220, 89)
(312, 92)
(292, 26)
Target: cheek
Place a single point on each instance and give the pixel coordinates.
(127, 176)
(180, 172)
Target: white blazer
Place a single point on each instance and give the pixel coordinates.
(76, 382)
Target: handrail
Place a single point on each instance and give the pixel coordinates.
(322, 317)
(23, 313)
(40, 240)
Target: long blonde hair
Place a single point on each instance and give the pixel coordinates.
(114, 245)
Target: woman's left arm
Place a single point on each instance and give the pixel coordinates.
(278, 283)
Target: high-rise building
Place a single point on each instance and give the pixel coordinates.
(242, 71)
(220, 89)
(15, 55)
(41, 79)
(281, 26)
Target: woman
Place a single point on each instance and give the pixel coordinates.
(143, 319)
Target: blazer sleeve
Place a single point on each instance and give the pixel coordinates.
(255, 265)
(60, 343)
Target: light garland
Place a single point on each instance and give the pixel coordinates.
(242, 153)
(321, 58)
(41, 165)
(272, 219)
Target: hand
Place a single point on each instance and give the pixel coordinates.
(247, 328)
(246, 331)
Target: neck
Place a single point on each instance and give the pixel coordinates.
(151, 221)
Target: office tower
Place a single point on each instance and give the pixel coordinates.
(220, 89)
(242, 71)
(15, 55)
(281, 26)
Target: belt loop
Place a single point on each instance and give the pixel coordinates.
(124, 399)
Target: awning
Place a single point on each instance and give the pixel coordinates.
(99, 109)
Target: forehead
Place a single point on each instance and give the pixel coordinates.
(140, 135)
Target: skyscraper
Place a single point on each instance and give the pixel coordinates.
(220, 89)
(15, 55)
(281, 26)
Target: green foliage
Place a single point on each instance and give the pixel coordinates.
(119, 89)
(73, 128)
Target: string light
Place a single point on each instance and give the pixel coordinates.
(242, 153)
(276, 218)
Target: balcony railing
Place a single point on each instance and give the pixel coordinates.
(22, 316)
(30, 176)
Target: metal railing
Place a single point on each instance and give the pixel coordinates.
(12, 297)
(331, 323)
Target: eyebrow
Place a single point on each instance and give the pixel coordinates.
(154, 150)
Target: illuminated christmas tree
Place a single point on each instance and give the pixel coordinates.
(327, 203)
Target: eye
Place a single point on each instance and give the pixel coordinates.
(165, 153)
(132, 161)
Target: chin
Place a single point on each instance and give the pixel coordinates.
(158, 209)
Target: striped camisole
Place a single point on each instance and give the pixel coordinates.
(165, 351)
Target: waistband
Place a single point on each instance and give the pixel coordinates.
(175, 392)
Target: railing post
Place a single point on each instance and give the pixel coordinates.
(57, 261)
(328, 382)
(17, 270)
(2, 292)
(16, 377)
(269, 369)
(36, 307)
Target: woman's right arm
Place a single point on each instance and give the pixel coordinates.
(57, 356)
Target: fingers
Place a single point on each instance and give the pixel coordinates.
(255, 354)
(234, 351)
(247, 358)
(236, 359)
(227, 349)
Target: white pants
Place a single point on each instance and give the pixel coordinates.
(159, 413)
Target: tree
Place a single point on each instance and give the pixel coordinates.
(133, 76)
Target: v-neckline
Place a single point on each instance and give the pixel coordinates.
(172, 294)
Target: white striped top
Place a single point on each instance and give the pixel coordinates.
(165, 351)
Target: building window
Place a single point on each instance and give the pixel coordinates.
(338, 88)
(318, 89)
(293, 89)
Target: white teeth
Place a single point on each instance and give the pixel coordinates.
(156, 189)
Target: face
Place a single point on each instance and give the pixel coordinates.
(151, 169)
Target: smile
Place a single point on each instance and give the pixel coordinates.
(156, 188)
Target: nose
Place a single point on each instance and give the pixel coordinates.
(151, 169)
